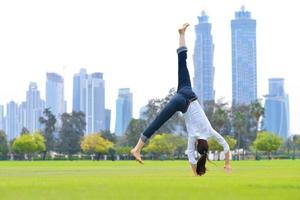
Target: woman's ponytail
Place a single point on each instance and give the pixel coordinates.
(202, 148)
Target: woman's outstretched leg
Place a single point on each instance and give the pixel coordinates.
(177, 103)
(183, 73)
(184, 81)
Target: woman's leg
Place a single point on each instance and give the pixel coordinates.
(177, 103)
(183, 73)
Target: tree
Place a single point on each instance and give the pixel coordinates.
(159, 145)
(3, 145)
(39, 142)
(256, 110)
(293, 142)
(24, 144)
(123, 151)
(288, 144)
(231, 141)
(298, 142)
(95, 144)
(180, 144)
(133, 132)
(244, 126)
(239, 127)
(24, 131)
(209, 109)
(215, 146)
(218, 114)
(268, 142)
(112, 153)
(165, 144)
(109, 136)
(73, 126)
(28, 144)
(49, 122)
(220, 117)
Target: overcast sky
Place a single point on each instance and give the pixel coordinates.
(133, 43)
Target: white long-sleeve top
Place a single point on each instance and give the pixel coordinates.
(198, 127)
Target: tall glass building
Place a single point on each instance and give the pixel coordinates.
(22, 112)
(95, 111)
(34, 107)
(78, 91)
(123, 111)
(107, 119)
(2, 126)
(277, 114)
(89, 97)
(203, 60)
(243, 41)
(12, 124)
(55, 94)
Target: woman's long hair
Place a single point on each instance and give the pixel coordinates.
(202, 148)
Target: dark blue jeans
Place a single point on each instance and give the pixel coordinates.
(179, 102)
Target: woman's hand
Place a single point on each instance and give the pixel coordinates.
(194, 169)
(227, 168)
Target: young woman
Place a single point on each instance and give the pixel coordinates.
(198, 126)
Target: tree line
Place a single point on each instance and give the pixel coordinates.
(239, 125)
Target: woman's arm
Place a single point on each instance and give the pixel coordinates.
(222, 141)
(191, 154)
(194, 167)
(227, 166)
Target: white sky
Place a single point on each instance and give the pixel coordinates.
(133, 43)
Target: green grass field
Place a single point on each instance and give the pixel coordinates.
(276, 179)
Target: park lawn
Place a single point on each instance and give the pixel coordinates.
(155, 180)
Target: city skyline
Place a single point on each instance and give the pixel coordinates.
(89, 94)
(40, 41)
(276, 115)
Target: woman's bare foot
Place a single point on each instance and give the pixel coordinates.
(183, 28)
(136, 155)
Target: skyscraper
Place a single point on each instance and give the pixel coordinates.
(12, 124)
(95, 103)
(203, 60)
(22, 111)
(65, 106)
(107, 119)
(277, 116)
(123, 110)
(55, 94)
(89, 97)
(243, 40)
(78, 91)
(2, 127)
(34, 107)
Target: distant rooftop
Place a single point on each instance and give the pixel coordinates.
(242, 14)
